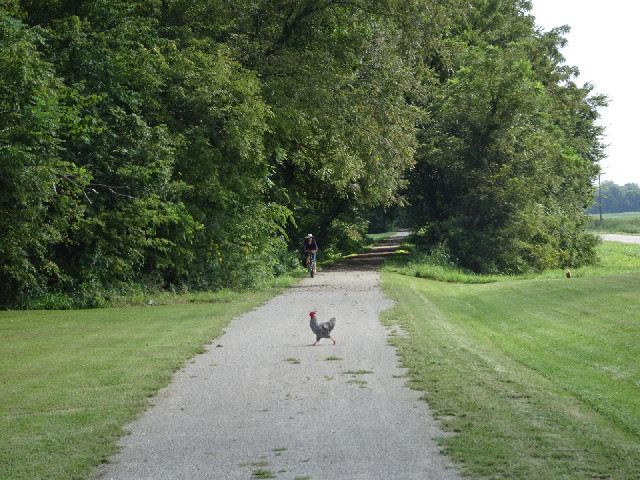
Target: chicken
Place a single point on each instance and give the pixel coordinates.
(322, 330)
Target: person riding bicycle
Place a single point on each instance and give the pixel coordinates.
(310, 246)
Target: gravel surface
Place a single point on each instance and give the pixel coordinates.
(614, 237)
(262, 400)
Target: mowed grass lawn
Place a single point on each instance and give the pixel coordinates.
(70, 380)
(534, 378)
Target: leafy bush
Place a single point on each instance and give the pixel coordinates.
(435, 263)
(528, 243)
(345, 237)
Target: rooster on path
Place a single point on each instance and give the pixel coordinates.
(322, 330)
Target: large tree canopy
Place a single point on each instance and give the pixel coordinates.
(190, 144)
(507, 159)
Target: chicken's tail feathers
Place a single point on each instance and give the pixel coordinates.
(332, 322)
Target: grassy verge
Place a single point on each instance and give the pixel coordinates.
(613, 258)
(536, 378)
(624, 223)
(70, 380)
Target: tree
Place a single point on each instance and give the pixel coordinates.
(342, 133)
(618, 198)
(184, 144)
(508, 157)
(134, 215)
(176, 155)
(217, 113)
(39, 189)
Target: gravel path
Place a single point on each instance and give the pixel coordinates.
(261, 400)
(614, 237)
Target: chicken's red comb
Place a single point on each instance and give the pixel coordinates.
(311, 314)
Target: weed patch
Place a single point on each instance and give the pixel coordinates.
(260, 473)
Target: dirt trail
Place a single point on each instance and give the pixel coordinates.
(262, 400)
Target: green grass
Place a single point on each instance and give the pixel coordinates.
(360, 383)
(537, 378)
(260, 473)
(436, 265)
(279, 451)
(70, 380)
(613, 258)
(625, 223)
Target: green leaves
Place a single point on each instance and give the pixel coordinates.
(185, 144)
(502, 173)
(39, 200)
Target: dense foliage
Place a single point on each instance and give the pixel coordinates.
(179, 144)
(508, 155)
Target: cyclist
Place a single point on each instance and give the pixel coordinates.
(310, 245)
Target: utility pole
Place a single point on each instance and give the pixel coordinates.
(600, 198)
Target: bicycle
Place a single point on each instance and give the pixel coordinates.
(311, 262)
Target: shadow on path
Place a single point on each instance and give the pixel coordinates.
(372, 259)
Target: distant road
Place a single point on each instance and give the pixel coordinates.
(614, 237)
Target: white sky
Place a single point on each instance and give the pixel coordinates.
(605, 46)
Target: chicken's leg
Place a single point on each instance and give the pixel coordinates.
(314, 344)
